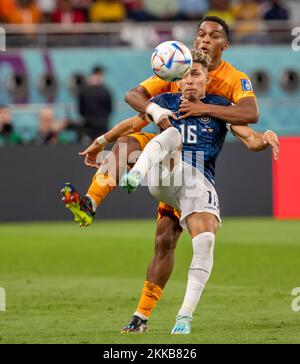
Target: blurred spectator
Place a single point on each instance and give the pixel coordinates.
(53, 131)
(83, 5)
(7, 132)
(135, 11)
(47, 8)
(107, 11)
(49, 128)
(221, 9)
(192, 9)
(95, 104)
(26, 12)
(66, 14)
(162, 10)
(7, 7)
(246, 10)
(248, 14)
(275, 10)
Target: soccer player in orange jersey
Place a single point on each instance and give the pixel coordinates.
(225, 80)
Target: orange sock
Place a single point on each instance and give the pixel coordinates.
(150, 296)
(100, 187)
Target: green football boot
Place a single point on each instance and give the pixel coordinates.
(81, 207)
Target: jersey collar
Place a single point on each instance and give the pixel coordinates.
(200, 98)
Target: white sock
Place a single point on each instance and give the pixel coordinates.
(200, 269)
(140, 315)
(156, 150)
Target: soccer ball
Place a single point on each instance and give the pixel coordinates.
(171, 61)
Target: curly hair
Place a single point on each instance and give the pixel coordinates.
(201, 57)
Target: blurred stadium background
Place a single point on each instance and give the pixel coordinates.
(51, 48)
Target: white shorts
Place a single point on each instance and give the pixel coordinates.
(192, 193)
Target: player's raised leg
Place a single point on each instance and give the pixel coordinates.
(202, 227)
(160, 147)
(105, 180)
(111, 169)
(167, 234)
(159, 270)
(80, 206)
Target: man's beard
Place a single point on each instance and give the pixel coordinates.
(192, 98)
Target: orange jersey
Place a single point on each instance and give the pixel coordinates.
(225, 81)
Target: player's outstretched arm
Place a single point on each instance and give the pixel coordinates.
(138, 98)
(243, 113)
(124, 128)
(257, 141)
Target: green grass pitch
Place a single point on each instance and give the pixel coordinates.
(70, 285)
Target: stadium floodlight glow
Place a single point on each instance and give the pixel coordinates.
(2, 40)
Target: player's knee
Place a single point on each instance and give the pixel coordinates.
(211, 224)
(175, 136)
(171, 139)
(166, 241)
(120, 162)
(127, 149)
(122, 141)
(164, 245)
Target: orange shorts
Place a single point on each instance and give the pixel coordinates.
(143, 138)
(166, 210)
(163, 208)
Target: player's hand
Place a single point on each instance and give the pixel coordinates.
(270, 138)
(91, 154)
(160, 115)
(191, 108)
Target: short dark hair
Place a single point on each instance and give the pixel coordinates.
(218, 20)
(97, 69)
